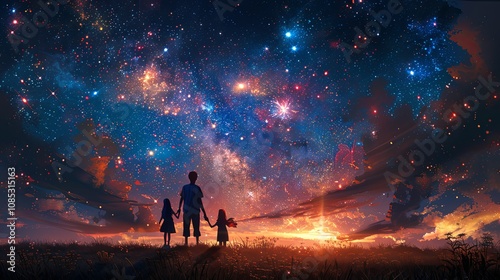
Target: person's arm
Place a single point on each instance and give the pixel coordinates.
(180, 202)
(201, 204)
(211, 224)
(175, 214)
(203, 210)
(208, 221)
(159, 222)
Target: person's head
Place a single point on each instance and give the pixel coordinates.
(193, 176)
(166, 204)
(222, 215)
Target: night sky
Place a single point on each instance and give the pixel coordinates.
(300, 117)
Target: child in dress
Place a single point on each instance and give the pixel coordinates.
(168, 221)
(222, 222)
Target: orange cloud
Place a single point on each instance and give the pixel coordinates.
(467, 38)
(98, 169)
(465, 219)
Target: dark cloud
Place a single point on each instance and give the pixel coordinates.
(34, 157)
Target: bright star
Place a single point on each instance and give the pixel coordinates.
(288, 34)
(412, 72)
(282, 109)
(294, 48)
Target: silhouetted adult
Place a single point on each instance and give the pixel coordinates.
(191, 195)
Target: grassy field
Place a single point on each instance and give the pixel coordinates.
(259, 258)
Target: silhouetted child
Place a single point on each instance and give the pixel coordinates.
(168, 222)
(222, 222)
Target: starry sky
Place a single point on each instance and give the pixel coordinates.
(293, 113)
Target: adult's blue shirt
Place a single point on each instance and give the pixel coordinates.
(192, 195)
